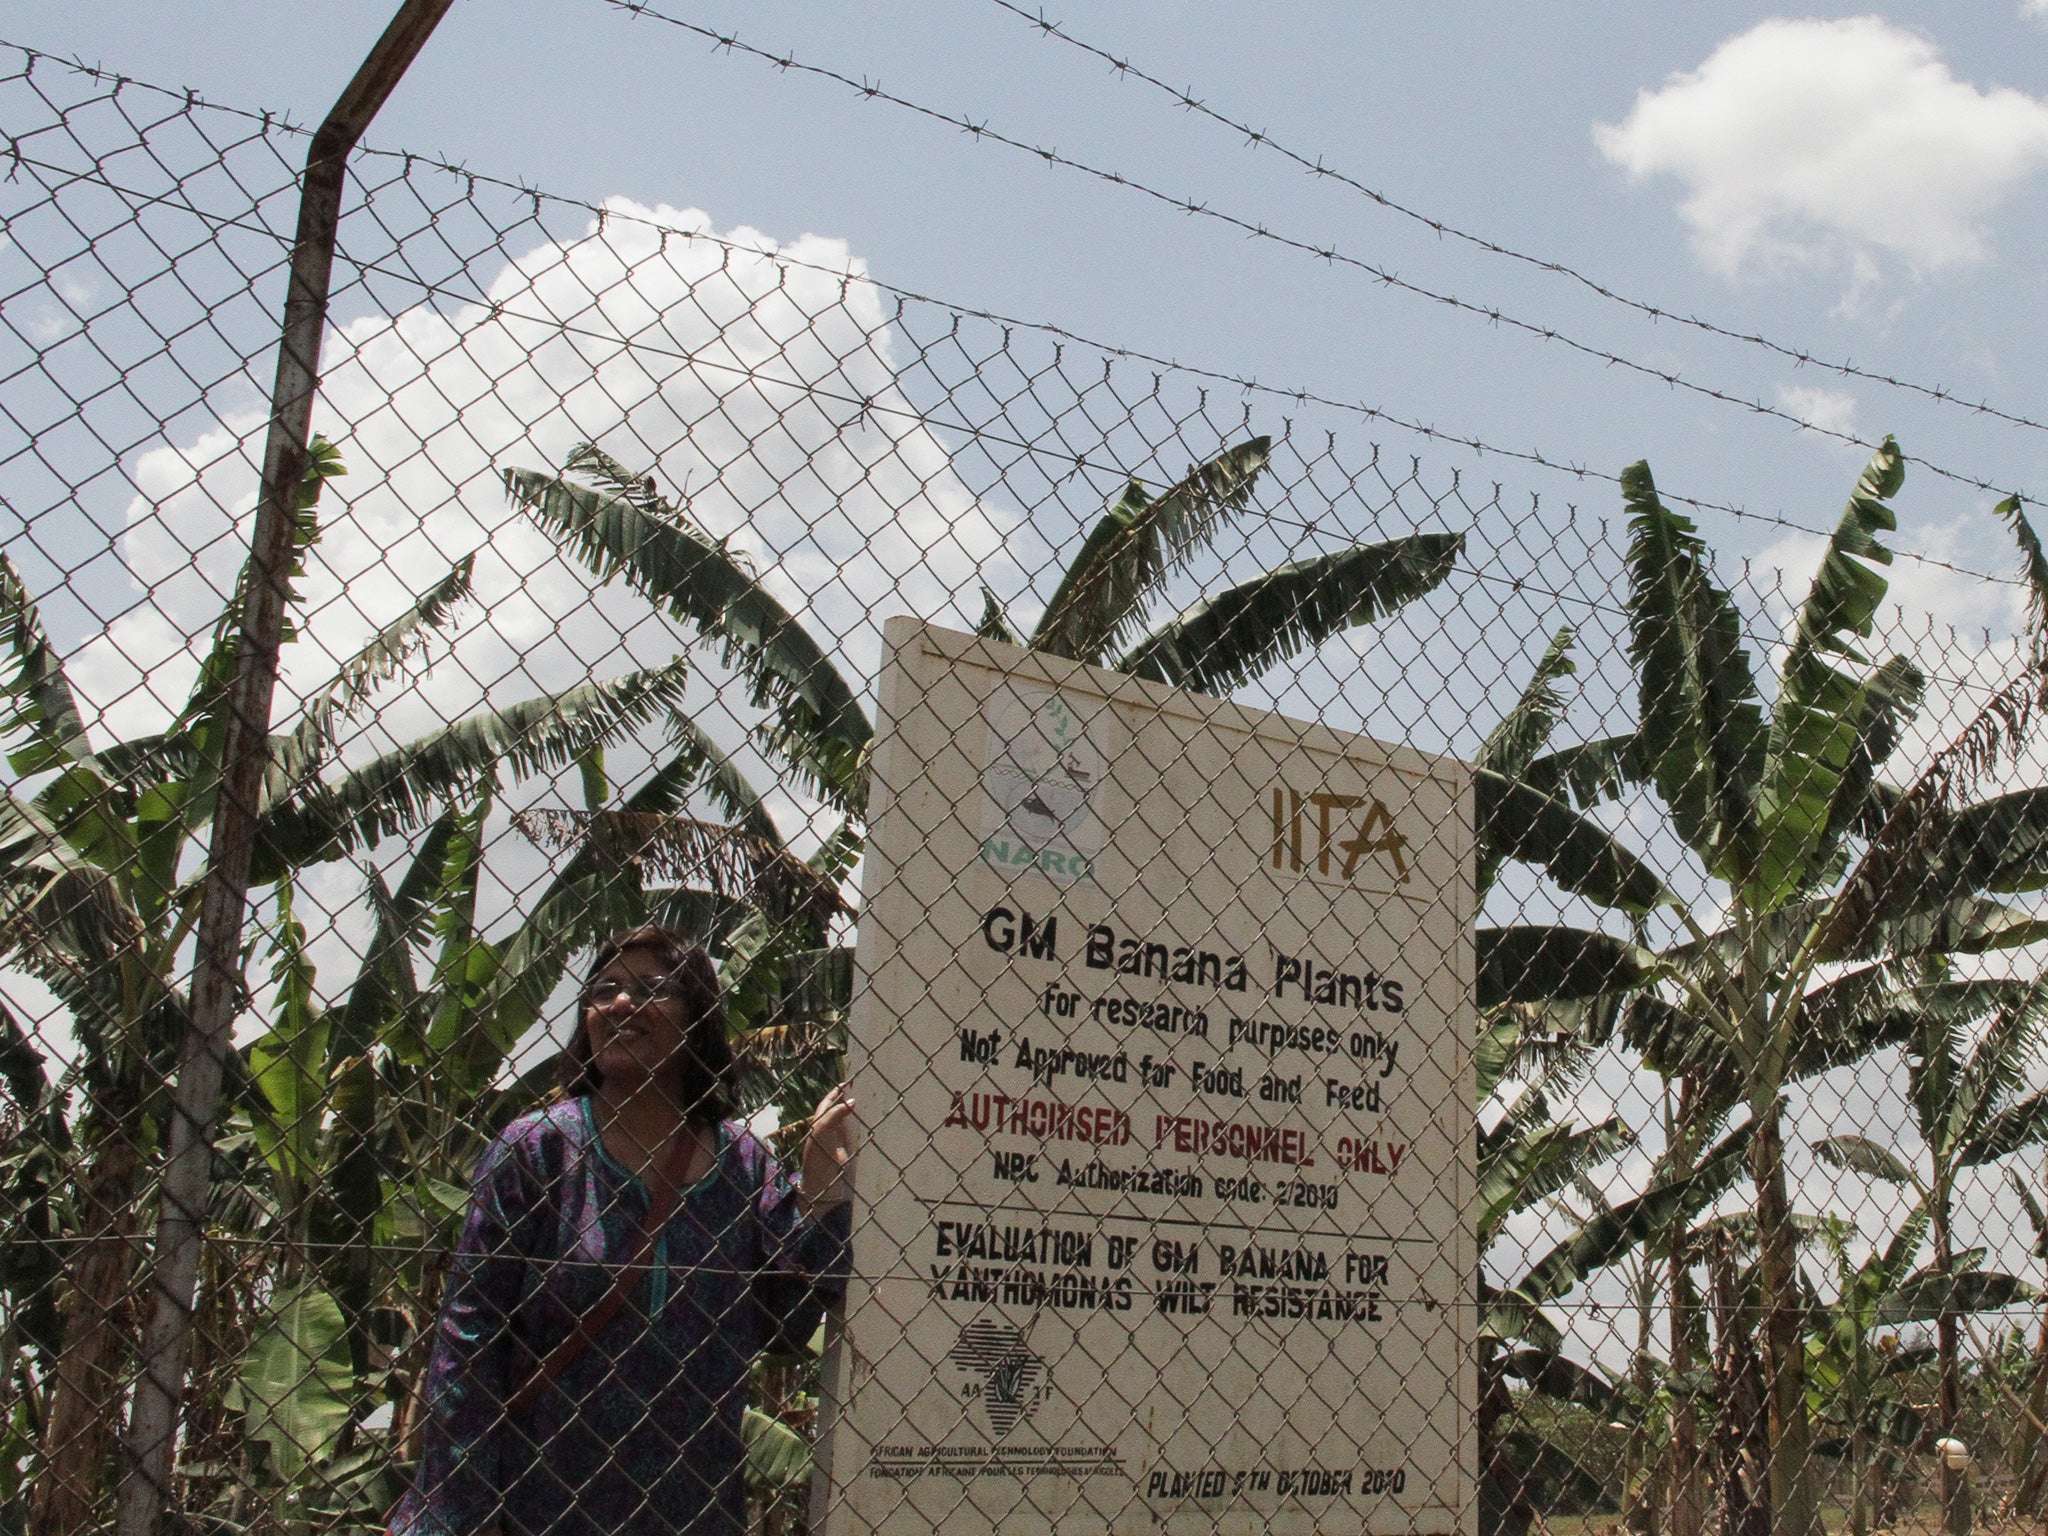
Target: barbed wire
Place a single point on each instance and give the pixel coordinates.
(1318, 527)
(907, 414)
(1246, 383)
(1318, 165)
(872, 90)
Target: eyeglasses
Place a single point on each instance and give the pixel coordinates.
(637, 992)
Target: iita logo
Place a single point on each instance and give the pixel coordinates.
(1346, 837)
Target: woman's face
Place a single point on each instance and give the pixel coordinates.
(635, 1025)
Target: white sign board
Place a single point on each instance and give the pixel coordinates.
(1162, 1039)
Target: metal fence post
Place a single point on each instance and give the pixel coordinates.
(217, 986)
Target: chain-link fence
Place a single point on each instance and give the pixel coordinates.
(1724, 1088)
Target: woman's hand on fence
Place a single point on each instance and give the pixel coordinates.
(828, 1153)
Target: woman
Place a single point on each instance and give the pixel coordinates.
(588, 1376)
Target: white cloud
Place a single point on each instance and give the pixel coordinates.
(1811, 142)
(1832, 410)
(766, 391)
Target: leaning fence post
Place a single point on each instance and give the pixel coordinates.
(216, 975)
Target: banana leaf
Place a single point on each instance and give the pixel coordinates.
(1545, 964)
(1926, 1296)
(294, 1385)
(1859, 1154)
(1831, 725)
(1226, 640)
(1701, 722)
(778, 1459)
(1136, 546)
(1513, 743)
(1518, 822)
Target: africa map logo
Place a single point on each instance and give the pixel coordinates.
(1009, 1373)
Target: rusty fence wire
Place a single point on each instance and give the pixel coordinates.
(607, 512)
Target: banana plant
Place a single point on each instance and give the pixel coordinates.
(1548, 994)
(1773, 791)
(366, 1116)
(1855, 1353)
(1519, 1337)
(618, 524)
(93, 904)
(101, 862)
(2030, 1448)
(1970, 1107)
(1097, 612)
(1851, 1365)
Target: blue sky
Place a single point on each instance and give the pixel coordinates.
(1891, 169)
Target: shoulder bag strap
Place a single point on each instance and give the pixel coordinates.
(665, 1192)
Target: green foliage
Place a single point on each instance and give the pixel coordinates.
(1221, 642)
(1927, 1296)
(402, 789)
(619, 527)
(1517, 821)
(295, 1387)
(350, 1129)
(2034, 560)
(1698, 716)
(1608, 1234)
(1137, 545)
(1521, 1169)
(778, 1458)
(1831, 727)
(1862, 1155)
(45, 715)
(1511, 746)
(288, 1064)
(1542, 963)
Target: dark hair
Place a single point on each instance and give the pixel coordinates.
(708, 1089)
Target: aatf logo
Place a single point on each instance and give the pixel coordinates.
(1351, 838)
(1001, 1373)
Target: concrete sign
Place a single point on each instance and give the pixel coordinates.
(1162, 1036)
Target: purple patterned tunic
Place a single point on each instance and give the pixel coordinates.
(642, 1432)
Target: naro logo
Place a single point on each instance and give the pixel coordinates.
(1336, 833)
